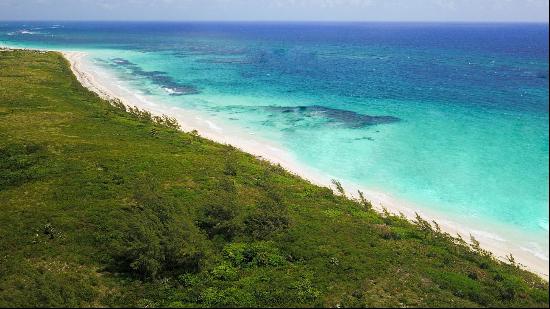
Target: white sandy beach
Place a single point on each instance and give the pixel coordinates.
(107, 87)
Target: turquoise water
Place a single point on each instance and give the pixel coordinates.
(451, 117)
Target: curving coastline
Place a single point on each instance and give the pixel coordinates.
(107, 87)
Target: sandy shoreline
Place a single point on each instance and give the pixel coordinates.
(107, 87)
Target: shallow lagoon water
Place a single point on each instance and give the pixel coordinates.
(450, 117)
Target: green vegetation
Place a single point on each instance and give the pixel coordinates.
(104, 206)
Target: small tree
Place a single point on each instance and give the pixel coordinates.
(510, 258)
(423, 224)
(338, 186)
(367, 204)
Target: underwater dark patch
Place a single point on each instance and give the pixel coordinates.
(160, 78)
(348, 118)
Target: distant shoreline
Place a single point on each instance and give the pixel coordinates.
(291, 22)
(97, 81)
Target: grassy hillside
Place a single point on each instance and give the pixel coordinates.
(104, 207)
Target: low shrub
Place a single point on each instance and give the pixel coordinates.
(253, 254)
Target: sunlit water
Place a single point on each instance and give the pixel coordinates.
(451, 117)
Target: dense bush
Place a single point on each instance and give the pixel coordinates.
(154, 240)
(217, 218)
(151, 247)
(18, 163)
(268, 218)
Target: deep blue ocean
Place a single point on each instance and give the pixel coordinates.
(451, 117)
